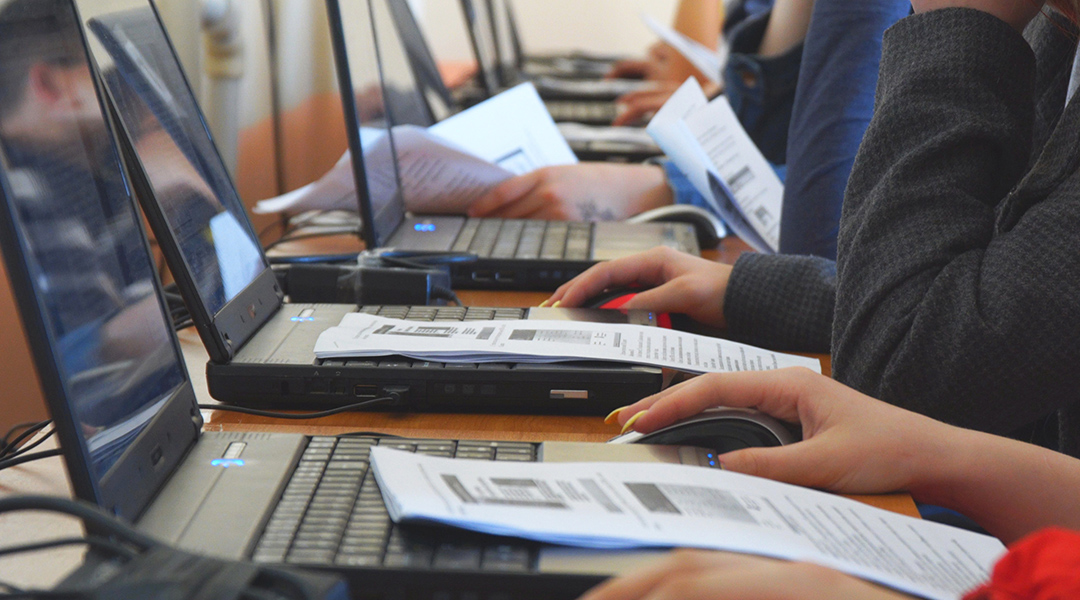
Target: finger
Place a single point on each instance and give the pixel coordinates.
(809, 464)
(521, 207)
(670, 297)
(775, 393)
(631, 113)
(506, 192)
(646, 269)
(676, 565)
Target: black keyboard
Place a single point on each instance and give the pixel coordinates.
(525, 239)
(445, 313)
(332, 513)
(574, 111)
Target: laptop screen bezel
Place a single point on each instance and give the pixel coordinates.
(369, 229)
(223, 333)
(488, 74)
(422, 61)
(131, 483)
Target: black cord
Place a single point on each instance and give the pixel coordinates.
(393, 397)
(25, 458)
(10, 447)
(97, 542)
(439, 292)
(25, 449)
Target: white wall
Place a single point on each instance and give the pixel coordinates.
(612, 26)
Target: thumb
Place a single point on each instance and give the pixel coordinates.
(505, 193)
(794, 464)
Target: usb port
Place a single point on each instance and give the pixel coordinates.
(504, 277)
(366, 392)
(482, 276)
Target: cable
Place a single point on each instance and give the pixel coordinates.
(25, 458)
(322, 259)
(393, 397)
(9, 446)
(439, 292)
(96, 542)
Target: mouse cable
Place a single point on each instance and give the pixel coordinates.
(393, 397)
(9, 444)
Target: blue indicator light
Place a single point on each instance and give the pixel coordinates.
(425, 227)
(225, 463)
(303, 319)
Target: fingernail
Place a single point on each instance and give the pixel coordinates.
(557, 303)
(613, 416)
(544, 304)
(630, 424)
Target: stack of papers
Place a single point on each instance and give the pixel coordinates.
(621, 505)
(707, 142)
(445, 168)
(362, 335)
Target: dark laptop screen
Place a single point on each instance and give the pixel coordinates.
(83, 250)
(188, 178)
(479, 20)
(403, 93)
(355, 46)
(422, 61)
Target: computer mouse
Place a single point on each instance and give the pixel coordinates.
(719, 429)
(613, 298)
(708, 227)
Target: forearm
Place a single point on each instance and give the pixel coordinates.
(787, 26)
(700, 20)
(1010, 488)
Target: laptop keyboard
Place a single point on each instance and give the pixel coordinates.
(572, 111)
(525, 239)
(332, 513)
(445, 313)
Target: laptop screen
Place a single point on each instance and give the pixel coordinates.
(83, 253)
(357, 55)
(422, 61)
(403, 93)
(168, 133)
(479, 20)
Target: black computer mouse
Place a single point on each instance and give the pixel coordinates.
(719, 429)
(708, 227)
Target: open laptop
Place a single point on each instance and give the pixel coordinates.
(261, 348)
(126, 414)
(400, 35)
(512, 254)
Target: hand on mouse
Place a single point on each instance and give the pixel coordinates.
(680, 284)
(851, 443)
(583, 192)
(700, 575)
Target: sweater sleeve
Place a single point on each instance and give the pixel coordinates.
(958, 285)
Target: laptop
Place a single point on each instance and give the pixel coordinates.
(262, 348)
(573, 65)
(126, 414)
(511, 254)
(395, 19)
(568, 100)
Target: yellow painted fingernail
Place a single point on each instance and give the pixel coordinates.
(630, 424)
(544, 304)
(557, 303)
(613, 416)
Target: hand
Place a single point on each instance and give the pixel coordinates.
(628, 69)
(680, 283)
(1017, 14)
(585, 192)
(698, 575)
(851, 443)
(657, 66)
(636, 106)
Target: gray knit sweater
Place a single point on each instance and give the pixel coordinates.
(957, 289)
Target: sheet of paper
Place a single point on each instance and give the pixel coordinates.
(675, 140)
(620, 505)
(747, 176)
(710, 62)
(513, 130)
(436, 177)
(363, 335)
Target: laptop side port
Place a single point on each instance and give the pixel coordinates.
(366, 392)
(483, 276)
(505, 276)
